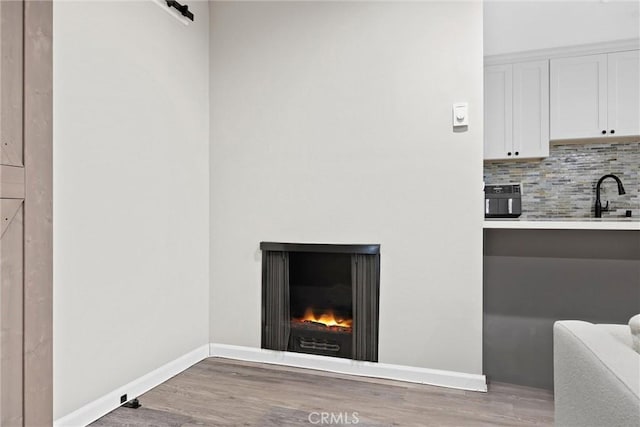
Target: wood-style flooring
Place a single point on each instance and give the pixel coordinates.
(222, 392)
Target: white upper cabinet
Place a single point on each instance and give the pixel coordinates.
(498, 110)
(578, 96)
(595, 96)
(516, 108)
(624, 93)
(531, 109)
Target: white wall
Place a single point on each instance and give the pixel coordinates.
(331, 122)
(514, 26)
(131, 193)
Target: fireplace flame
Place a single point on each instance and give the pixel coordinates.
(327, 318)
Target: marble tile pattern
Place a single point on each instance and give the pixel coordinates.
(564, 184)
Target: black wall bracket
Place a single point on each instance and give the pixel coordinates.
(183, 9)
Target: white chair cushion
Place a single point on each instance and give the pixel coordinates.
(634, 325)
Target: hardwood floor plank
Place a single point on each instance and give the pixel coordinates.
(221, 392)
(141, 417)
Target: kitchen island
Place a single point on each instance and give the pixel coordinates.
(540, 271)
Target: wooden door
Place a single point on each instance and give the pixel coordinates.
(25, 213)
(498, 114)
(11, 213)
(579, 97)
(624, 93)
(531, 109)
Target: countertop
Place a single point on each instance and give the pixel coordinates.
(564, 223)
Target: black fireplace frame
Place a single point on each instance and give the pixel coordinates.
(276, 318)
(320, 247)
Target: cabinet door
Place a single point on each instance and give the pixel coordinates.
(531, 109)
(498, 116)
(624, 93)
(578, 97)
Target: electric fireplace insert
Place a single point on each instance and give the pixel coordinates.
(321, 299)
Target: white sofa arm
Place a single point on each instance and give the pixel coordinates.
(596, 377)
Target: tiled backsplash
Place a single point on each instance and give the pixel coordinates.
(564, 184)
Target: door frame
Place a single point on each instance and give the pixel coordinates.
(38, 213)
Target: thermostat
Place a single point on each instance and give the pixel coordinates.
(460, 114)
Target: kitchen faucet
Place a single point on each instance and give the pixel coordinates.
(599, 208)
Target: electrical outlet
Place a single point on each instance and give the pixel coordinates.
(123, 398)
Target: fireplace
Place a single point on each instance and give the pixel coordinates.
(321, 299)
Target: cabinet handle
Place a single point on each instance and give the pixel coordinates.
(517, 153)
(612, 131)
(604, 132)
(509, 153)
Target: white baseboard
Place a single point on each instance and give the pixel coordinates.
(102, 406)
(411, 374)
